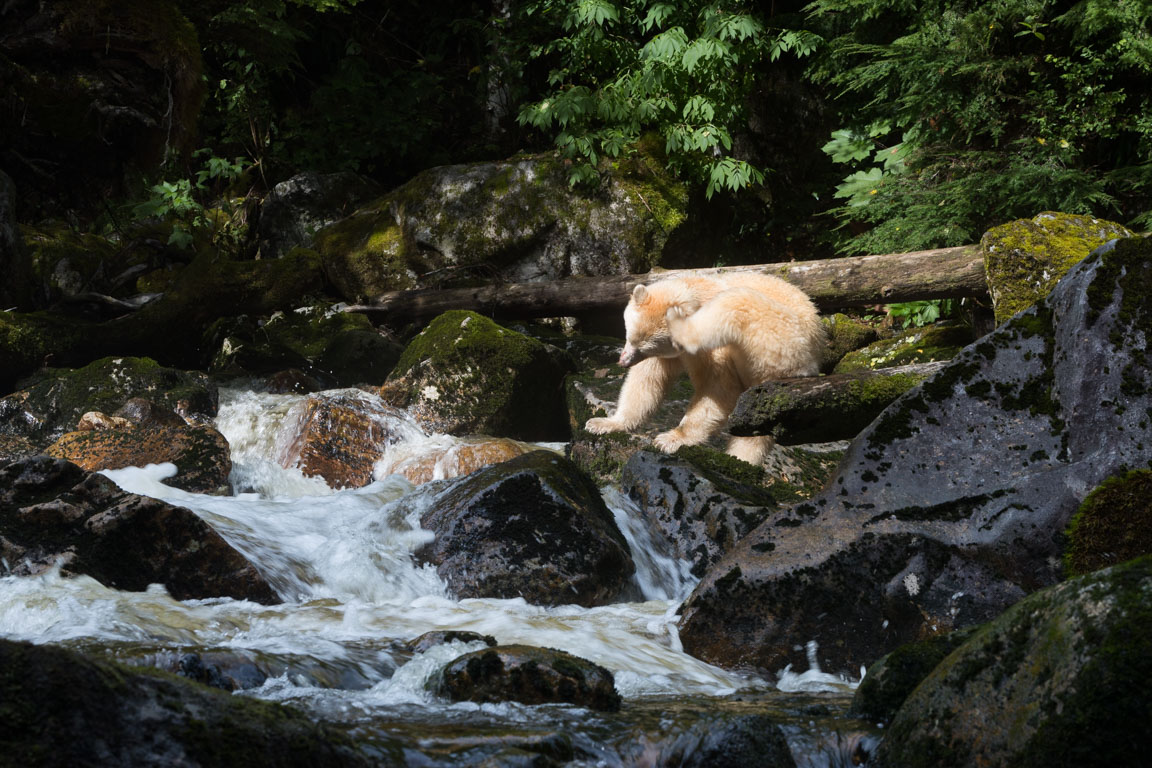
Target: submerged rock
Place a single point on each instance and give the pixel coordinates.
(533, 527)
(464, 374)
(62, 708)
(1025, 259)
(1060, 679)
(51, 510)
(517, 220)
(528, 675)
(950, 507)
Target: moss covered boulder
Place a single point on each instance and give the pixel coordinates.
(913, 345)
(464, 374)
(62, 708)
(950, 506)
(1060, 679)
(517, 220)
(1025, 259)
(1113, 524)
(299, 207)
(337, 349)
(845, 334)
(532, 527)
(53, 402)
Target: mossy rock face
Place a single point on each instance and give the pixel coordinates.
(299, 207)
(338, 349)
(66, 262)
(845, 334)
(53, 402)
(64, 708)
(1060, 679)
(889, 681)
(1024, 259)
(31, 340)
(464, 374)
(1114, 524)
(913, 345)
(517, 220)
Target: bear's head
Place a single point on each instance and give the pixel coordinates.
(645, 327)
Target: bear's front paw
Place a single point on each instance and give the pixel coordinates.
(669, 441)
(603, 426)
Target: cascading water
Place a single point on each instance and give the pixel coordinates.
(342, 563)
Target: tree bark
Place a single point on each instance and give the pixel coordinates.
(820, 409)
(832, 283)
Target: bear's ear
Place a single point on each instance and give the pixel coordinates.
(639, 294)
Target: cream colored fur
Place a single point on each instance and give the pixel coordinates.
(729, 333)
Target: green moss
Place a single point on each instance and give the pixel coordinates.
(917, 345)
(1025, 259)
(1113, 524)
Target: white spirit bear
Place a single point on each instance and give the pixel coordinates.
(729, 332)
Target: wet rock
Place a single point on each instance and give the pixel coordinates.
(55, 400)
(53, 510)
(1025, 259)
(464, 374)
(845, 334)
(94, 421)
(440, 637)
(528, 675)
(517, 220)
(724, 740)
(341, 434)
(430, 461)
(1060, 679)
(13, 447)
(950, 507)
(296, 209)
(226, 673)
(889, 681)
(697, 509)
(825, 408)
(147, 413)
(1114, 524)
(292, 381)
(914, 345)
(533, 527)
(63, 708)
(201, 454)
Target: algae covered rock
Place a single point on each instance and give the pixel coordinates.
(1060, 679)
(532, 527)
(845, 334)
(53, 402)
(517, 220)
(1114, 524)
(62, 708)
(913, 345)
(949, 507)
(464, 374)
(528, 675)
(1025, 259)
(52, 511)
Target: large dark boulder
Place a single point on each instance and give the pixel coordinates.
(528, 675)
(299, 207)
(952, 505)
(61, 708)
(51, 510)
(1061, 679)
(533, 527)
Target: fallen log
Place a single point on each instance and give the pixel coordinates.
(832, 283)
(820, 409)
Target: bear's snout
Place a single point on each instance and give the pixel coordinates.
(629, 356)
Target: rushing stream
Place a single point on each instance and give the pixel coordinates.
(341, 561)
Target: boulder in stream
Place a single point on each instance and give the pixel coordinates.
(53, 511)
(533, 527)
(528, 675)
(952, 505)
